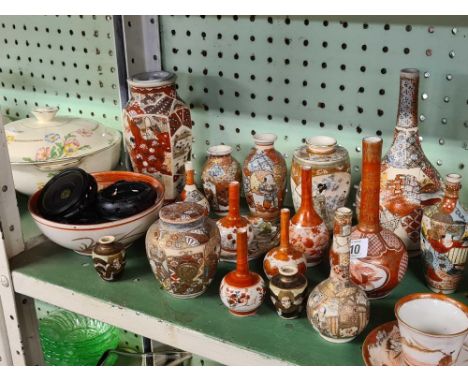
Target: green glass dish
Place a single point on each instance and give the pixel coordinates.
(69, 339)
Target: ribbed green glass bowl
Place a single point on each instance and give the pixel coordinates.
(69, 339)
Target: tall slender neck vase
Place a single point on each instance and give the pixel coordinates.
(285, 254)
(337, 308)
(378, 256)
(444, 239)
(231, 223)
(190, 193)
(241, 290)
(409, 181)
(307, 232)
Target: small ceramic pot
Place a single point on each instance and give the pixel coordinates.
(183, 248)
(285, 254)
(219, 170)
(433, 328)
(331, 171)
(229, 225)
(288, 292)
(264, 178)
(109, 258)
(241, 290)
(190, 193)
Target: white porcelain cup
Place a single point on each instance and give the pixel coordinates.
(433, 328)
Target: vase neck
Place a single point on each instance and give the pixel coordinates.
(284, 231)
(452, 190)
(234, 196)
(306, 210)
(189, 174)
(370, 185)
(342, 241)
(407, 115)
(168, 89)
(242, 269)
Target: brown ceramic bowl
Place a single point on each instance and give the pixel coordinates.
(81, 238)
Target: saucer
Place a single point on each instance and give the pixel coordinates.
(382, 347)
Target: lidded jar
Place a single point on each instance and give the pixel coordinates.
(409, 181)
(331, 173)
(288, 292)
(241, 290)
(190, 193)
(337, 308)
(231, 223)
(108, 258)
(219, 170)
(264, 178)
(378, 257)
(158, 130)
(183, 249)
(285, 254)
(444, 239)
(308, 233)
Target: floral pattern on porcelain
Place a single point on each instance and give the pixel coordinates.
(243, 301)
(229, 239)
(311, 241)
(194, 195)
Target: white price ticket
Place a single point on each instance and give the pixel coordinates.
(359, 248)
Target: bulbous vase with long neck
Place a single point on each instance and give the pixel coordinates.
(190, 193)
(378, 256)
(241, 290)
(285, 254)
(337, 308)
(307, 232)
(230, 224)
(409, 181)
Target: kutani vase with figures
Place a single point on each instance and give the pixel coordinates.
(264, 178)
(331, 173)
(231, 223)
(183, 249)
(409, 182)
(444, 239)
(308, 233)
(158, 130)
(378, 256)
(219, 170)
(337, 308)
(190, 193)
(241, 290)
(285, 254)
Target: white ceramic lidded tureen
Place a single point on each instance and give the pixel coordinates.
(42, 146)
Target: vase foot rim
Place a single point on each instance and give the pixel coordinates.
(337, 340)
(443, 291)
(243, 314)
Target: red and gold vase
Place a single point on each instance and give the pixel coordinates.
(308, 233)
(378, 256)
(190, 193)
(241, 290)
(285, 254)
(158, 130)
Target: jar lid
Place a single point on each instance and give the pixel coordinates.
(181, 213)
(152, 79)
(47, 138)
(321, 150)
(219, 150)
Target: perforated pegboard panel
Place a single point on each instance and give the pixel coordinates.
(300, 76)
(65, 61)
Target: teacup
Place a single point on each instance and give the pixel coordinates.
(433, 328)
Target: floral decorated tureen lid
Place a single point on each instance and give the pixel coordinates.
(47, 138)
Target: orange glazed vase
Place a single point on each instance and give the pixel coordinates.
(190, 193)
(242, 291)
(409, 182)
(308, 233)
(378, 256)
(230, 224)
(285, 254)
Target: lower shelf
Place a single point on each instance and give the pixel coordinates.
(202, 325)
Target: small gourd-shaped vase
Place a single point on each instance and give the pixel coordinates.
(264, 178)
(229, 225)
(190, 193)
(307, 232)
(378, 256)
(108, 258)
(285, 254)
(409, 181)
(337, 308)
(444, 239)
(241, 290)
(288, 292)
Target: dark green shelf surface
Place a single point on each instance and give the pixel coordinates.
(292, 341)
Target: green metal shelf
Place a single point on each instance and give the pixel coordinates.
(64, 276)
